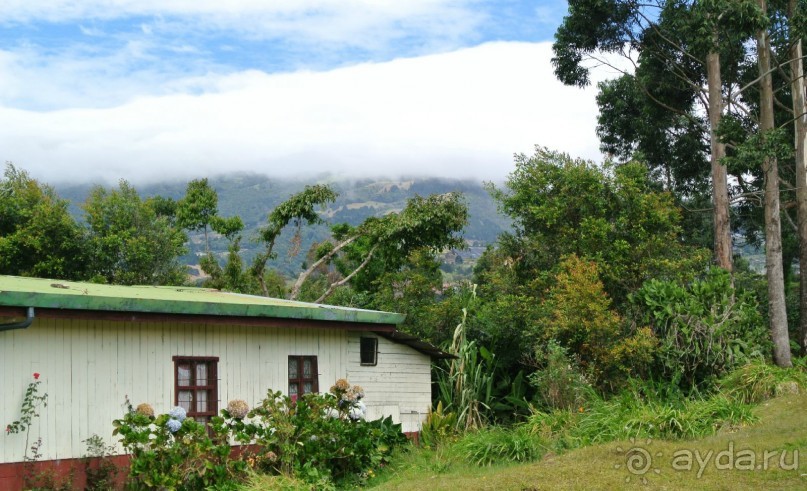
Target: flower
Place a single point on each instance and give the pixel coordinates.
(580, 409)
(358, 391)
(8, 428)
(145, 409)
(341, 385)
(355, 414)
(293, 398)
(36, 375)
(237, 408)
(173, 425)
(178, 413)
(271, 456)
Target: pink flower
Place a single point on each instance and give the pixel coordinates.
(8, 428)
(36, 375)
(294, 398)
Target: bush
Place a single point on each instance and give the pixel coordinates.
(318, 438)
(705, 330)
(558, 384)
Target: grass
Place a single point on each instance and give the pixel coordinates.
(781, 426)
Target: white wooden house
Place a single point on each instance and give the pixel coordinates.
(97, 346)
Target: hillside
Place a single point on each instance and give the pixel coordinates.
(253, 196)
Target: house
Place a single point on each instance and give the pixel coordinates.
(95, 347)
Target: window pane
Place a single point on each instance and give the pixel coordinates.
(183, 375)
(368, 351)
(308, 388)
(201, 401)
(306, 368)
(201, 419)
(185, 398)
(292, 389)
(292, 368)
(201, 374)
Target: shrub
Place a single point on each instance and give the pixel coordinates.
(705, 329)
(439, 427)
(558, 384)
(175, 452)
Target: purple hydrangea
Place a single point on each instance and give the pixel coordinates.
(178, 413)
(173, 425)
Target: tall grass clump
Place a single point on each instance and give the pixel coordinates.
(496, 445)
(758, 380)
(634, 414)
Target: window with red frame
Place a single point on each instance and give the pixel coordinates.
(196, 386)
(303, 378)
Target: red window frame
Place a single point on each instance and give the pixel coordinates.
(300, 380)
(211, 387)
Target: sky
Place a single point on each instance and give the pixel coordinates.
(149, 90)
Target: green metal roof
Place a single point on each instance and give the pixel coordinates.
(17, 291)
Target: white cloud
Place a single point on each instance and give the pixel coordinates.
(456, 114)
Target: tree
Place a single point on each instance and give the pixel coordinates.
(681, 46)
(773, 228)
(612, 216)
(38, 237)
(196, 209)
(299, 208)
(129, 242)
(383, 244)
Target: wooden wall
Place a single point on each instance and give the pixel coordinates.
(88, 369)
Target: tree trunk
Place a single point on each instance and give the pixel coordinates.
(720, 194)
(800, 113)
(773, 227)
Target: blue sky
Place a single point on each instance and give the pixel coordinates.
(156, 89)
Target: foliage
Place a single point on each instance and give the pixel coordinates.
(439, 427)
(177, 454)
(558, 384)
(636, 413)
(579, 318)
(318, 438)
(383, 244)
(467, 386)
(197, 209)
(497, 445)
(705, 329)
(612, 216)
(38, 237)
(757, 381)
(298, 208)
(101, 472)
(130, 243)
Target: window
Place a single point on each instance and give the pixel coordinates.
(303, 378)
(196, 386)
(369, 350)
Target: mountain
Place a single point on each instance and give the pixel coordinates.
(253, 196)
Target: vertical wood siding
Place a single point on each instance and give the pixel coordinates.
(89, 368)
(400, 379)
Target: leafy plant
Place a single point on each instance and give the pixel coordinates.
(101, 472)
(439, 427)
(705, 329)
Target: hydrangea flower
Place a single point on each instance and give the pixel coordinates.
(341, 385)
(145, 409)
(358, 391)
(173, 425)
(237, 408)
(355, 414)
(178, 413)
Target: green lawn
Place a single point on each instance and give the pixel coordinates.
(782, 428)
